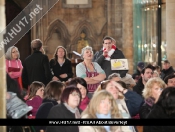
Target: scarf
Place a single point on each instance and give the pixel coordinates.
(102, 116)
(75, 111)
(113, 48)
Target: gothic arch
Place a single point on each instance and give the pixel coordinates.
(86, 27)
(57, 35)
(58, 27)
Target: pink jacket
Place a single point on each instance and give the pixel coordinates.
(14, 64)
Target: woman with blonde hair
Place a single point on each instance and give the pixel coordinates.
(151, 93)
(102, 106)
(129, 102)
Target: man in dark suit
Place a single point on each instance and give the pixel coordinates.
(36, 66)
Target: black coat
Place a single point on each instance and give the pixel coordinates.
(36, 68)
(43, 112)
(65, 68)
(138, 88)
(61, 112)
(158, 113)
(165, 73)
(146, 108)
(106, 65)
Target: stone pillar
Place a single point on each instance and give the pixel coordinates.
(2, 69)
(127, 32)
(114, 21)
(170, 31)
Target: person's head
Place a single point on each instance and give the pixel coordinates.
(155, 74)
(153, 88)
(102, 102)
(167, 100)
(54, 90)
(60, 52)
(81, 84)
(107, 43)
(158, 69)
(136, 77)
(36, 88)
(165, 64)
(12, 53)
(114, 77)
(72, 96)
(87, 53)
(36, 45)
(170, 80)
(147, 72)
(140, 65)
(109, 86)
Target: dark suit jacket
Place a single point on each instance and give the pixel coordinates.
(36, 68)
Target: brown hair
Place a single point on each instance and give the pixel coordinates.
(55, 56)
(34, 88)
(54, 90)
(67, 91)
(36, 44)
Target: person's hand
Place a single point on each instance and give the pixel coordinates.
(55, 78)
(119, 87)
(105, 53)
(63, 75)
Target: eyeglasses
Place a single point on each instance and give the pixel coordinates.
(75, 94)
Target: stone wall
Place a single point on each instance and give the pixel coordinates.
(170, 31)
(63, 26)
(2, 69)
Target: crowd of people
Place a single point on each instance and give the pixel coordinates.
(48, 89)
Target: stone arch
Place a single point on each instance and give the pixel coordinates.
(86, 27)
(57, 35)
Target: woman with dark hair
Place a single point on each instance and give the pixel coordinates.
(35, 97)
(60, 65)
(52, 97)
(82, 85)
(163, 109)
(67, 109)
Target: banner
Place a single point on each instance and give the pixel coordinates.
(24, 21)
(87, 122)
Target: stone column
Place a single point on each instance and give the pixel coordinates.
(170, 31)
(127, 32)
(2, 69)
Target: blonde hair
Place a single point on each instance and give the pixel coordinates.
(92, 108)
(149, 85)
